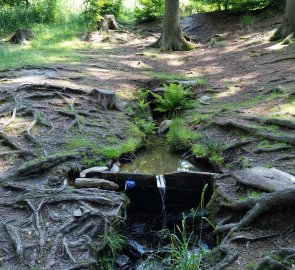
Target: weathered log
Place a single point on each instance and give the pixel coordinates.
(265, 179)
(95, 183)
(93, 170)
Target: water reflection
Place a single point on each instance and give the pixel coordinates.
(157, 160)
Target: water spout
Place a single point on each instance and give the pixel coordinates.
(161, 184)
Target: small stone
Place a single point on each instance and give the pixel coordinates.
(122, 261)
(204, 98)
(78, 213)
(164, 127)
(116, 167)
(47, 224)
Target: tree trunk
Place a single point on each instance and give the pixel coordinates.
(172, 38)
(288, 26)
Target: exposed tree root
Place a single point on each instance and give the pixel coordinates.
(7, 141)
(267, 262)
(27, 132)
(274, 149)
(50, 87)
(15, 237)
(242, 238)
(8, 122)
(40, 165)
(286, 138)
(279, 60)
(238, 144)
(22, 153)
(257, 206)
(75, 234)
(286, 157)
(274, 121)
(231, 256)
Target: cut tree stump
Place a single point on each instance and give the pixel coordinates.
(96, 183)
(108, 22)
(265, 179)
(21, 36)
(107, 99)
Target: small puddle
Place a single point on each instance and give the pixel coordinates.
(156, 159)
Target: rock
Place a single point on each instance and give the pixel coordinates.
(78, 213)
(93, 170)
(265, 179)
(164, 127)
(138, 228)
(204, 100)
(135, 250)
(151, 263)
(96, 183)
(116, 167)
(160, 91)
(122, 262)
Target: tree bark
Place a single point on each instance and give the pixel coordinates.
(172, 38)
(288, 26)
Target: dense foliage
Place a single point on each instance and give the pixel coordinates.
(18, 14)
(94, 9)
(148, 10)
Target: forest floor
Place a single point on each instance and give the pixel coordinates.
(246, 76)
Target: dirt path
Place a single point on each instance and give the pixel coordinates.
(55, 114)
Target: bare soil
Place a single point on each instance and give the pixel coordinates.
(246, 76)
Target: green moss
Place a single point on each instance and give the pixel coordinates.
(253, 194)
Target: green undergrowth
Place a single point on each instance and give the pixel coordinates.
(114, 243)
(54, 43)
(210, 149)
(179, 137)
(253, 194)
(176, 98)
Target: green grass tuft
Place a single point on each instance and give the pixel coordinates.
(179, 138)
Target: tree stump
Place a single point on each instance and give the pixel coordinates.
(107, 99)
(21, 36)
(108, 22)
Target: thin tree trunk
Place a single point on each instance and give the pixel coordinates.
(287, 28)
(172, 38)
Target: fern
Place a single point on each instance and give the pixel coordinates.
(175, 98)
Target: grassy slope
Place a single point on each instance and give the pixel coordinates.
(54, 43)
